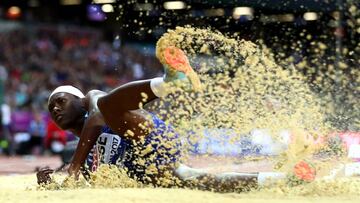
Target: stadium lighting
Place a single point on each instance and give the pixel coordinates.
(309, 16)
(13, 12)
(277, 18)
(107, 8)
(243, 11)
(70, 2)
(104, 1)
(174, 5)
(34, 3)
(286, 18)
(95, 13)
(143, 7)
(215, 12)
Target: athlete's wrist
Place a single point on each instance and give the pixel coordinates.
(74, 169)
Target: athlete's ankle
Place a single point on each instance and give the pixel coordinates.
(158, 87)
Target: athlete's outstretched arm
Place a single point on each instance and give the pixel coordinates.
(89, 134)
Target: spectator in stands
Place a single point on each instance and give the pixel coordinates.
(55, 139)
(50, 56)
(37, 132)
(6, 139)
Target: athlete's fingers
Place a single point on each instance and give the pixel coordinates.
(44, 168)
(43, 177)
(47, 171)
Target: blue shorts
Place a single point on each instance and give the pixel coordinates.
(145, 158)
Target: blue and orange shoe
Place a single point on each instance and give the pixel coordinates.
(177, 67)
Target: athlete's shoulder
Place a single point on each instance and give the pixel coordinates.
(95, 93)
(91, 99)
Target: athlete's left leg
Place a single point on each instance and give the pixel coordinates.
(223, 182)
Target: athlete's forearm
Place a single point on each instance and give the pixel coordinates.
(88, 138)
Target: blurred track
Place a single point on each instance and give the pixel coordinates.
(26, 164)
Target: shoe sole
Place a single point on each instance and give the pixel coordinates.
(176, 59)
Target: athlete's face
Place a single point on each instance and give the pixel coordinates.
(66, 110)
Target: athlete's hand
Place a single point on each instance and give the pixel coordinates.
(43, 175)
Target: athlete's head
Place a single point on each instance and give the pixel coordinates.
(65, 107)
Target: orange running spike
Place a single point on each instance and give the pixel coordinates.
(177, 59)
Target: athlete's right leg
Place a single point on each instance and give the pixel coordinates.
(127, 97)
(120, 108)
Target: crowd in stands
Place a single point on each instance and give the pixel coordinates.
(35, 60)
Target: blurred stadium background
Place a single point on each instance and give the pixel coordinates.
(100, 44)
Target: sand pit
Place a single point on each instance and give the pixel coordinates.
(21, 188)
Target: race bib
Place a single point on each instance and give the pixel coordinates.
(107, 150)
